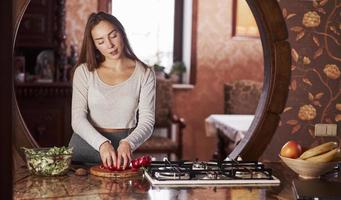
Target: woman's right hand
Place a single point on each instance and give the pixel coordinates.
(108, 154)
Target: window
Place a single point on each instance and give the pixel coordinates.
(149, 26)
(159, 31)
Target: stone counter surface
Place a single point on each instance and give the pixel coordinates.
(71, 186)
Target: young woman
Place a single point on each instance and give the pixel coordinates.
(113, 99)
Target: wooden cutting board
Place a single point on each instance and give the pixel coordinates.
(99, 171)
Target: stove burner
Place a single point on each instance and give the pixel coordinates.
(199, 166)
(214, 176)
(203, 165)
(172, 175)
(171, 168)
(250, 175)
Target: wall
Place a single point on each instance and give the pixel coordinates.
(220, 59)
(315, 92)
(77, 13)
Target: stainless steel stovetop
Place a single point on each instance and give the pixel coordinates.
(202, 173)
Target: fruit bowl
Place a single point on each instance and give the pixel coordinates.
(53, 161)
(308, 169)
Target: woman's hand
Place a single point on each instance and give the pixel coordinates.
(108, 154)
(123, 153)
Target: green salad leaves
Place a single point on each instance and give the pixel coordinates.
(48, 161)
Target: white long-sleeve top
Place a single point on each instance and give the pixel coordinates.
(97, 104)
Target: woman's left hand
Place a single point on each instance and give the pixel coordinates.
(123, 154)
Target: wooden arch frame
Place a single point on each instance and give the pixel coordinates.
(277, 62)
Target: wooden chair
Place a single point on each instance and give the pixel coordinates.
(241, 97)
(165, 119)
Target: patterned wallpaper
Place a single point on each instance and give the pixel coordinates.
(315, 90)
(220, 59)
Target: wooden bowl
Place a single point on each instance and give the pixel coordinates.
(307, 169)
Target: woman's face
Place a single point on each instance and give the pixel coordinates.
(108, 40)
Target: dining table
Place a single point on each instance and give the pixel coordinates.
(229, 129)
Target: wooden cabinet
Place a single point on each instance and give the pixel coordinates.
(43, 29)
(46, 110)
(38, 24)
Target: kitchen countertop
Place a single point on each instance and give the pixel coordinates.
(93, 187)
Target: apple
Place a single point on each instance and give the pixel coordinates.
(291, 149)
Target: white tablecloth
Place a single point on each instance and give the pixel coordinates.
(233, 126)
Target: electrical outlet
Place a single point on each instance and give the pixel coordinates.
(325, 130)
(332, 129)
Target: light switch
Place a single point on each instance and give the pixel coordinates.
(325, 130)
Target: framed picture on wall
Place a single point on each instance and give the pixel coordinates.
(19, 64)
(243, 22)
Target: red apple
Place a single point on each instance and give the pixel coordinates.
(291, 149)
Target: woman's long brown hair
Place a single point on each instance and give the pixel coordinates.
(89, 54)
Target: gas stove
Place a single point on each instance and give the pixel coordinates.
(210, 173)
